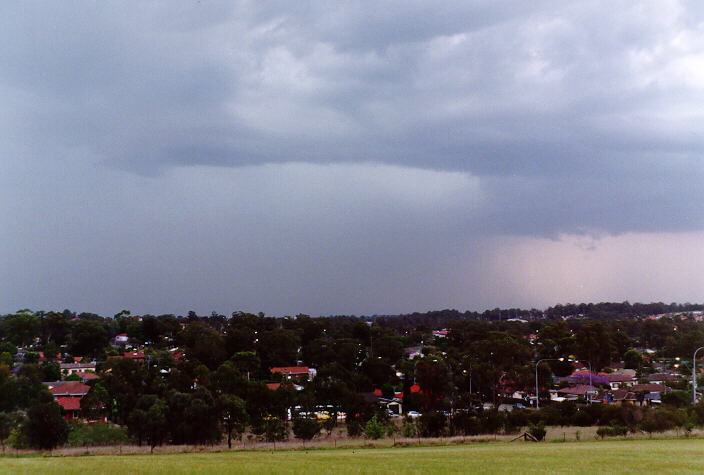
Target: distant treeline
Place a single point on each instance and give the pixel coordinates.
(591, 311)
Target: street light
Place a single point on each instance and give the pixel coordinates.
(694, 375)
(590, 379)
(537, 397)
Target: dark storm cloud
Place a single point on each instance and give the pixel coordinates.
(439, 127)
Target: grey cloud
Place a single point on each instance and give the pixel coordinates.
(555, 117)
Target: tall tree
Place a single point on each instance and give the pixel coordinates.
(234, 415)
(45, 426)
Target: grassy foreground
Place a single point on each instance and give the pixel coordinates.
(612, 456)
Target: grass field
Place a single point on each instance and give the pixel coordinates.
(612, 456)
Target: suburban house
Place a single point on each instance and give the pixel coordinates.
(70, 368)
(621, 397)
(275, 386)
(619, 380)
(662, 378)
(69, 394)
(295, 373)
(392, 406)
(136, 356)
(580, 390)
(413, 351)
(121, 339)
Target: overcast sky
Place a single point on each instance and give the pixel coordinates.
(349, 157)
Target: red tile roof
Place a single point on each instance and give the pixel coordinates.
(579, 390)
(87, 376)
(290, 370)
(618, 378)
(70, 388)
(69, 403)
(651, 387)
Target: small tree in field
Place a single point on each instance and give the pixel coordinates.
(45, 426)
(156, 426)
(275, 430)
(375, 429)
(306, 428)
(537, 430)
(234, 414)
(6, 425)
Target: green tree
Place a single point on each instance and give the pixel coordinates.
(233, 411)
(433, 378)
(156, 425)
(275, 430)
(632, 359)
(7, 423)
(45, 426)
(7, 359)
(593, 344)
(306, 428)
(50, 371)
(374, 428)
(203, 344)
(88, 338)
(21, 328)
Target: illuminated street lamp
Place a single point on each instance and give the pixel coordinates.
(537, 397)
(694, 375)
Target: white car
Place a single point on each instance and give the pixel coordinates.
(413, 414)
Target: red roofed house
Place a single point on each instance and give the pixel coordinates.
(69, 395)
(87, 376)
(295, 373)
(136, 356)
(121, 339)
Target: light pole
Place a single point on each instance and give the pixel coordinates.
(537, 397)
(694, 375)
(590, 380)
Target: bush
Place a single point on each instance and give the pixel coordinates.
(98, 434)
(517, 418)
(612, 431)
(489, 421)
(463, 423)
(583, 418)
(432, 424)
(551, 416)
(658, 421)
(537, 430)
(676, 399)
(374, 429)
(18, 439)
(354, 427)
(408, 429)
(306, 428)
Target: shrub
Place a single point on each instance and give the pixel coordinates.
(432, 424)
(463, 423)
(354, 427)
(489, 421)
(306, 428)
(537, 430)
(374, 429)
(98, 434)
(408, 429)
(18, 439)
(612, 431)
(583, 418)
(676, 398)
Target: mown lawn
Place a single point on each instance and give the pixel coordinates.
(612, 456)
